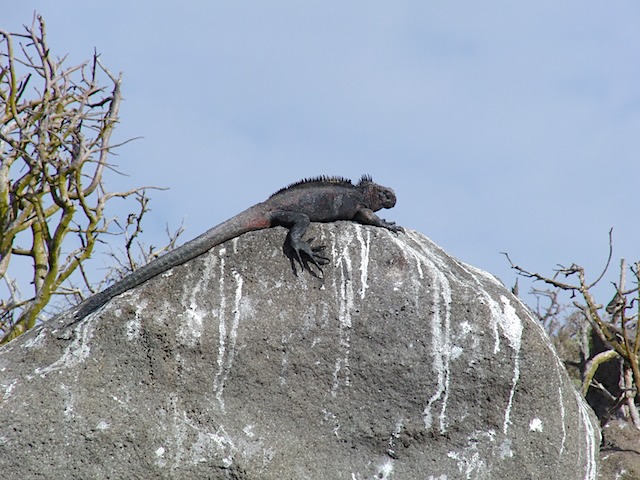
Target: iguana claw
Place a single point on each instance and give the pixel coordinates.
(301, 252)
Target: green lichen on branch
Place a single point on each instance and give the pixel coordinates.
(55, 139)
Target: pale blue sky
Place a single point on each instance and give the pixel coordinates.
(502, 126)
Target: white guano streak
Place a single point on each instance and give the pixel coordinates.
(191, 329)
(441, 345)
(77, 351)
(346, 297)
(561, 405)
(226, 339)
(345, 307)
(514, 334)
(591, 472)
(441, 342)
(507, 320)
(365, 246)
(8, 388)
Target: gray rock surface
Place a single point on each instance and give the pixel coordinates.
(620, 453)
(403, 363)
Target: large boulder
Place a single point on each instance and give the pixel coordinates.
(401, 363)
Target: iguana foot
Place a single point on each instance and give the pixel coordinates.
(305, 255)
(392, 226)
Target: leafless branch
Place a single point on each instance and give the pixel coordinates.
(615, 325)
(55, 144)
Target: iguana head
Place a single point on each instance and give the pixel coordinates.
(377, 196)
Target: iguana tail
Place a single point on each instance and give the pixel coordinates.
(254, 218)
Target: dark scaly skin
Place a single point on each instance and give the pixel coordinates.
(322, 199)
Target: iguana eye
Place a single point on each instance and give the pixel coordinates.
(387, 198)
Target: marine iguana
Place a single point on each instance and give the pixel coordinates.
(320, 199)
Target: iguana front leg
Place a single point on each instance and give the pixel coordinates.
(368, 217)
(295, 248)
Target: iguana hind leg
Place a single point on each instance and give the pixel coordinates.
(295, 248)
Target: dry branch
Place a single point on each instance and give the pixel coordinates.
(56, 124)
(614, 325)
